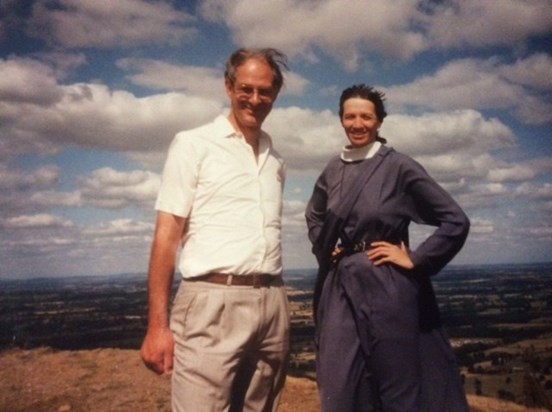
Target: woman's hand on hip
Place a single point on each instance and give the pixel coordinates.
(385, 252)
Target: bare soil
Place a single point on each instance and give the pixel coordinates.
(115, 380)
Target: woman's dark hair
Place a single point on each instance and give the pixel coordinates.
(275, 59)
(364, 92)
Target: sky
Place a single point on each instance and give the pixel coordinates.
(93, 91)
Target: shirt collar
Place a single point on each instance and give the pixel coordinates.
(224, 128)
(354, 154)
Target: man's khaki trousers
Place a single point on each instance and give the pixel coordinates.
(231, 347)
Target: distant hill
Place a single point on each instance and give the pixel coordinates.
(45, 380)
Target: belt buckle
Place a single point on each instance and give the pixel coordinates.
(360, 246)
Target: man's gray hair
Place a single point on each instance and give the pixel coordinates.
(275, 59)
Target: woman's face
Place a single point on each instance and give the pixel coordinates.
(360, 121)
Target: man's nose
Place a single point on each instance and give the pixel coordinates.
(255, 97)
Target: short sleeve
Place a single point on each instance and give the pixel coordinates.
(179, 178)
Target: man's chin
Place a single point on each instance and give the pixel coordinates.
(253, 122)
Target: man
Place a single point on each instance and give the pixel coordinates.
(221, 201)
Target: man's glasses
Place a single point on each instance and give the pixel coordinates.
(246, 92)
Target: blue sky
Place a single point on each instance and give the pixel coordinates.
(92, 92)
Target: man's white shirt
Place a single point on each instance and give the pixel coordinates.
(233, 202)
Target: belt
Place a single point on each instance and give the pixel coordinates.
(257, 280)
(361, 246)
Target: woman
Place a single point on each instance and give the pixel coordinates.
(380, 346)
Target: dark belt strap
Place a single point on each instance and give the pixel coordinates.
(356, 248)
(256, 280)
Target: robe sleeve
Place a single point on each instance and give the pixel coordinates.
(432, 205)
(317, 210)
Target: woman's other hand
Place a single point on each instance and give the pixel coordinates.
(337, 254)
(385, 252)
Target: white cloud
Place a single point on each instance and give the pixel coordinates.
(52, 198)
(201, 81)
(37, 221)
(475, 23)
(520, 172)
(63, 63)
(396, 29)
(61, 248)
(456, 118)
(481, 84)
(481, 226)
(451, 145)
(27, 195)
(534, 71)
(482, 195)
(490, 189)
(17, 179)
(295, 84)
(534, 191)
(106, 23)
(345, 31)
(158, 75)
(26, 81)
(118, 120)
(537, 232)
(294, 214)
(295, 243)
(454, 133)
(120, 227)
(111, 189)
(89, 115)
(305, 138)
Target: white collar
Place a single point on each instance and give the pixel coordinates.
(354, 154)
(225, 128)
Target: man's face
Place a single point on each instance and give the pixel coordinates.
(251, 95)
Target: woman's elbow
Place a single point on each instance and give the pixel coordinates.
(466, 223)
(463, 225)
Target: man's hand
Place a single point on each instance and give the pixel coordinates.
(157, 351)
(385, 252)
(158, 347)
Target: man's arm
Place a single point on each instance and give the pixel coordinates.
(158, 346)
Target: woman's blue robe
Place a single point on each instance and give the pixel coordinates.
(378, 331)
